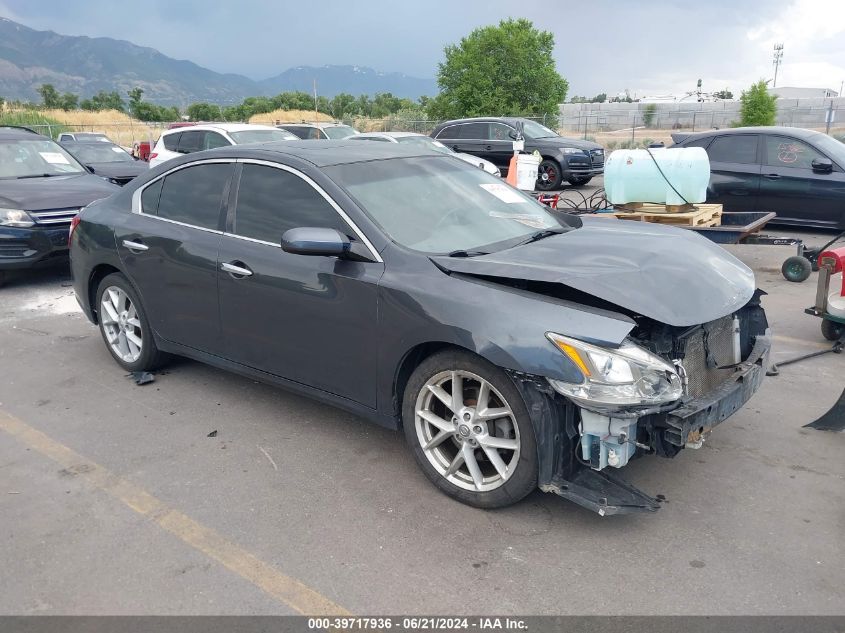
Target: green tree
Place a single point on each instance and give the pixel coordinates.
(69, 101)
(204, 112)
(758, 106)
(49, 95)
(649, 112)
(135, 100)
(504, 70)
(599, 98)
(723, 94)
(342, 105)
(104, 101)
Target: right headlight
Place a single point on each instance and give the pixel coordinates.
(628, 376)
(572, 150)
(15, 217)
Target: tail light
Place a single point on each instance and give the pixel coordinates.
(153, 155)
(73, 224)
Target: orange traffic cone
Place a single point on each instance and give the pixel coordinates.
(511, 177)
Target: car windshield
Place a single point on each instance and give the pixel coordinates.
(25, 158)
(833, 148)
(100, 153)
(261, 136)
(425, 141)
(438, 205)
(535, 130)
(339, 131)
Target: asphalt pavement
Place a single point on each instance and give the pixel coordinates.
(208, 493)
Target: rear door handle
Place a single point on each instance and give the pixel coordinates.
(138, 247)
(237, 269)
(772, 176)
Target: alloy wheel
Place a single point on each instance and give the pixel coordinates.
(121, 324)
(467, 430)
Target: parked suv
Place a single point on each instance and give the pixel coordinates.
(42, 188)
(319, 131)
(799, 174)
(187, 140)
(492, 138)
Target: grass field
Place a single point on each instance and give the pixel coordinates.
(289, 116)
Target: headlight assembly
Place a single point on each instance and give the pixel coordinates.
(572, 150)
(628, 376)
(15, 217)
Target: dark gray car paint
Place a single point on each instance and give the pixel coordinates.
(414, 302)
(53, 192)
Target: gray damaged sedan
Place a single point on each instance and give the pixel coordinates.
(514, 346)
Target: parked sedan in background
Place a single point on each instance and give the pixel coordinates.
(83, 137)
(42, 188)
(319, 131)
(516, 347)
(563, 158)
(107, 160)
(196, 138)
(799, 174)
(412, 138)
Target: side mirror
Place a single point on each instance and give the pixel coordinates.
(822, 165)
(513, 135)
(310, 240)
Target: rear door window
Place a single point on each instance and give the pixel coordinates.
(782, 151)
(473, 131)
(213, 139)
(171, 141)
(735, 148)
(194, 195)
(191, 142)
(271, 201)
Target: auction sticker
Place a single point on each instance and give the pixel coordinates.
(505, 193)
(54, 158)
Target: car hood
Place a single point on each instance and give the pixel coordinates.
(119, 170)
(562, 141)
(477, 161)
(56, 192)
(671, 275)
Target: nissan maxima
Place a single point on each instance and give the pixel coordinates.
(515, 347)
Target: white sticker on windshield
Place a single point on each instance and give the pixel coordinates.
(534, 221)
(503, 192)
(54, 158)
(117, 149)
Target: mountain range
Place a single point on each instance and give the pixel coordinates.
(85, 65)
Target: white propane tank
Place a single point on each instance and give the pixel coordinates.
(835, 300)
(631, 175)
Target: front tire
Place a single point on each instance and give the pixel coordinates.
(469, 430)
(548, 175)
(125, 327)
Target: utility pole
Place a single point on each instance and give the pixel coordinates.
(777, 61)
(316, 118)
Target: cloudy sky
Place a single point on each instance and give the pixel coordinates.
(647, 46)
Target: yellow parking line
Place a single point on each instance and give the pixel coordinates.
(287, 590)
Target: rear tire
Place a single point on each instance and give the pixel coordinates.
(796, 268)
(124, 326)
(479, 448)
(831, 330)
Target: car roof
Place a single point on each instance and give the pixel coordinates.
(324, 153)
(391, 134)
(318, 124)
(220, 127)
(485, 119)
(798, 132)
(15, 133)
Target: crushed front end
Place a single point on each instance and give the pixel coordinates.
(663, 390)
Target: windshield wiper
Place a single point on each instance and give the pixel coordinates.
(539, 235)
(463, 253)
(37, 176)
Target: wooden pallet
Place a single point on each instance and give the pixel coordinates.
(699, 215)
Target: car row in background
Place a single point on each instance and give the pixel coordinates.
(572, 160)
(319, 131)
(799, 174)
(196, 138)
(42, 188)
(421, 140)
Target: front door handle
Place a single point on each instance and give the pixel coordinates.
(772, 176)
(236, 269)
(135, 247)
